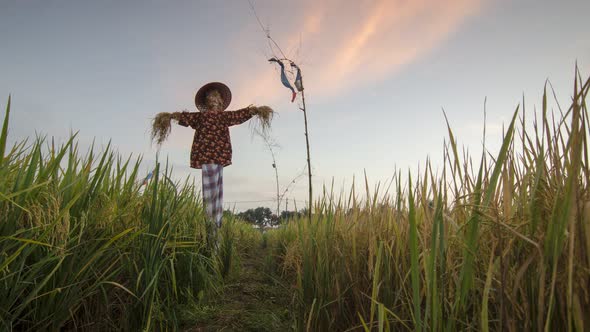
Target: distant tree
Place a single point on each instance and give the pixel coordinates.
(247, 216)
(287, 215)
(260, 216)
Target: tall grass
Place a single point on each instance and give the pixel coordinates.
(83, 248)
(502, 247)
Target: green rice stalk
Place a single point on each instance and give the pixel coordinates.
(486, 294)
(4, 133)
(414, 267)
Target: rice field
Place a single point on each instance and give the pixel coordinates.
(496, 242)
(492, 242)
(85, 246)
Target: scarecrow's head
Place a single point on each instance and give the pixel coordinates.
(214, 101)
(213, 97)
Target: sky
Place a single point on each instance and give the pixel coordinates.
(377, 76)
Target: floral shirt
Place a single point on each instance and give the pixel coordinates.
(211, 144)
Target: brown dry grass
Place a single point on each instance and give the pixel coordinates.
(264, 115)
(161, 127)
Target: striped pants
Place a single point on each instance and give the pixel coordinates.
(213, 191)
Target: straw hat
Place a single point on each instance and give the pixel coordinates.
(200, 97)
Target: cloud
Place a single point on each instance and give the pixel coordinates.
(349, 43)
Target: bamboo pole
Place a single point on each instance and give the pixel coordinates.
(308, 154)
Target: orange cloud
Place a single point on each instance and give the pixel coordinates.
(349, 43)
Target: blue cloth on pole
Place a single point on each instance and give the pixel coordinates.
(147, 178)
(284, 78)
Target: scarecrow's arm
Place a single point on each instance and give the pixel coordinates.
(232, 118)
(186, 119)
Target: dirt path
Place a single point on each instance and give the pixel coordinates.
(253, 300)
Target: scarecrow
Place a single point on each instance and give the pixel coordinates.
(211, 148)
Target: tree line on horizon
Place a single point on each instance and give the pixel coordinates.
(264, 216)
